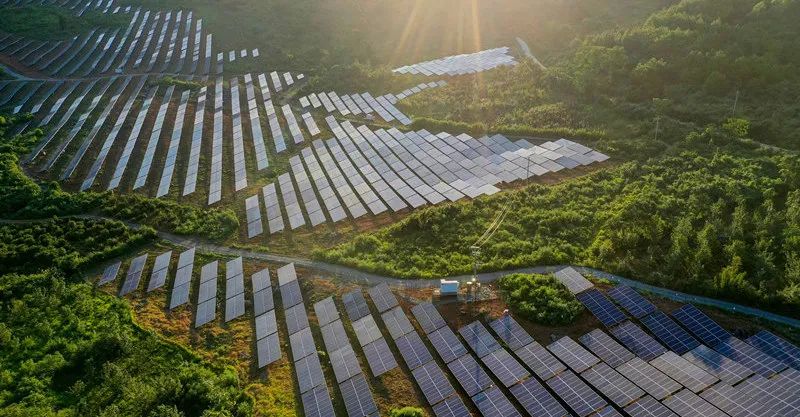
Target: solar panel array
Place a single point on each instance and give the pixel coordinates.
(670, 333)
(708, 331)
(109, 274)
(573, 354)
(361, 169)
(776, 347)
(207, 295)
(606, 348)
(183, 279)
(158, 276)
(267, 340)
(639, 342)
(573, 280)
(239, 167)
(633, 302)
(234, 289)
(461, 64)
(308, 367)
(353, 385)
(601, 307)
(134, 275)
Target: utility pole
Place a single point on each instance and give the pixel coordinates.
(658, 119)
(735, 102)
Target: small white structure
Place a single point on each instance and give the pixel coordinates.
(448, 287)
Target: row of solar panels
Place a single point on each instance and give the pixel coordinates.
(365, 104)
(118, 95)
(131, 48)
(461, 64)
(585, 378)
(78, 6)
(362, 171)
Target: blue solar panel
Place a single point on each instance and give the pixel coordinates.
(707, 330)
(493, 402)
(601, 307)
(669, 333)
(536, 400)
(469, 374)
(750, 357)
(451, 407)
(576, 394)
(639, 342)
(776, 347)
(479, 339)
(633, 302)
(511, 332)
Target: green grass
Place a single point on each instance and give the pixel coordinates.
(52, 23)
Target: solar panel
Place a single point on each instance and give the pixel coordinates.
(684, 372)
(451, 407)
(291, 294)
(612, 384)
(397, 322)
(263, 301)
(268, 349)
(379, 357)
(266, 324)
(261, 280)
(608, 412)
(493, 402)
(733, 402)
(206, 312)
(479, 339)
(750, 357)
(687, 403)
(446, 344)
(296, 318)
(572, 354)
(109, 274)
(576, 394)
(382, 297)
(606, 348)
(428, 317)
(357, 398)
(302, 344)
(334, 336)
(707, 330)
(413, 350)
(326, 311)
(134, 275)
(536, 400)
(648, 406)
(540, 360)
(317, 402)
(286, 274)
(633, 302)
(601, 307)
(366, 330)
(573, 280)
(724, 368)
(635, 339)
(766, 392)
(670, 333)
(469, 374)
(344, 363)
(511, 332)
(776, 347)
(234, 307)
(648, 378)
(507, 369)
(160, 269)
(309, 372)
(432, 382)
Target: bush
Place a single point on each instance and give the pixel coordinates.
(406, 412)
(540, 298)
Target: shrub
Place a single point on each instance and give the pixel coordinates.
(540, 298)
